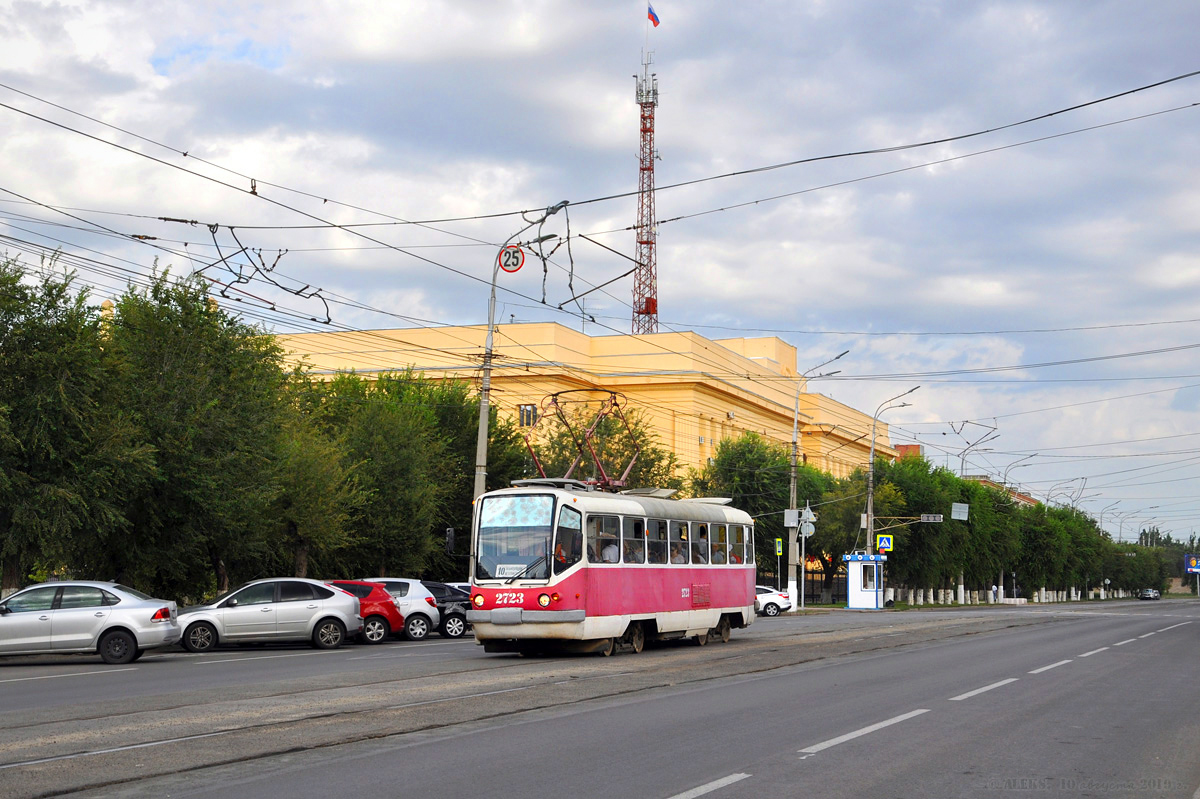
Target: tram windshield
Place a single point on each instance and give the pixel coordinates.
(514, 535)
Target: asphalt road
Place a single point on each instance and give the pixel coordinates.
(1075, 699)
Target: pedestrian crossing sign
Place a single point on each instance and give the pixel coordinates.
(883, 543)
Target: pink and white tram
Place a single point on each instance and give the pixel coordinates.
(556, 565)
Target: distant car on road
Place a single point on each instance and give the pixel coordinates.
(452, 604)
(417, 604)
(770, 602)
(1149, 593)
(283, 609)
(380, 610)
(108, 619)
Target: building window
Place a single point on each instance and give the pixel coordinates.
(527, 415)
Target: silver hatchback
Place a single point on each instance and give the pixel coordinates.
(282, 609)
(111, 620)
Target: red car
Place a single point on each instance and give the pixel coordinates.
(379, 609)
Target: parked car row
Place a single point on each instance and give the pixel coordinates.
(120, 623)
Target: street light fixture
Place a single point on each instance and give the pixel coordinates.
(883, 407)
(481, 441)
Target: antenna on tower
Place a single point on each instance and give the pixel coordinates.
(645, 279)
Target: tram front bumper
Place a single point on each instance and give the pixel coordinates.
(510, 616)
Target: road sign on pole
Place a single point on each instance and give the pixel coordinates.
(883, 543)
(512, 258)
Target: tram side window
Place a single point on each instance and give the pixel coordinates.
(737, 543)
(749, 544)
(633, 541)
(700, 544)
(568, 540)
(720, 544)
(678, 532)
(604, 534)
(656, 547)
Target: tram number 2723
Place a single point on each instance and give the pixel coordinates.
(510, 598)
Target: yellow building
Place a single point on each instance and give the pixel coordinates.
(692, 391)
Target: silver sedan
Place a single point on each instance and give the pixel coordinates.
(282, 609)
(111, 620)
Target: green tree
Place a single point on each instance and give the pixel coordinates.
(205, 390)
(319, 494)
(68, 460)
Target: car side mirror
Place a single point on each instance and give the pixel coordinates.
(4, 611)
(232, 603)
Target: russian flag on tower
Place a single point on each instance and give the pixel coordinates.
(652, 16)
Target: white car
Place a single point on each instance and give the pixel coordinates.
(281, 609)
(770, 602)
(111, 620)
(417, 605)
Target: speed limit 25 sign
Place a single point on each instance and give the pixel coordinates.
(512, 258)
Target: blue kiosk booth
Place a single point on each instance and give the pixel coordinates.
(864, 581)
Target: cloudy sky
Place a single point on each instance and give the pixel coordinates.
(1038, 281)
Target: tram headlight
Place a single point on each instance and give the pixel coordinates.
(544, 600)
(478, 600)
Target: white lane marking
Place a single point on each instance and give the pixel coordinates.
(864, 731)
(1051, 666)
(709, 787)
(1173, 626)
(262, 657)
(452, 698)
(1126, 641)
(73, 674)
(116, 749)
(979, 691)
(1147, 635)
(1093, 652)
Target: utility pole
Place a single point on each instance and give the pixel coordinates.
(792, 518)
(485, 387)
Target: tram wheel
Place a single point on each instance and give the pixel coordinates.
(637, 638)
(610, 646)
(723, 628)
(701, 639)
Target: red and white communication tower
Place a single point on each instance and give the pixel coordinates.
(645, 280)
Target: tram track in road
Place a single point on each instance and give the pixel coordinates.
(201, 729)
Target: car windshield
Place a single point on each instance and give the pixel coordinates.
(514, 537)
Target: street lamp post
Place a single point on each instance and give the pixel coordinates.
(481, 441)
(871, 464)
(792, 531)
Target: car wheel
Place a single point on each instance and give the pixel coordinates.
(137, 655)
(416, 628)
(375, 629)
(329, 634)
(200, 637)
(118, 647)
(454, 626)
(771, 610)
